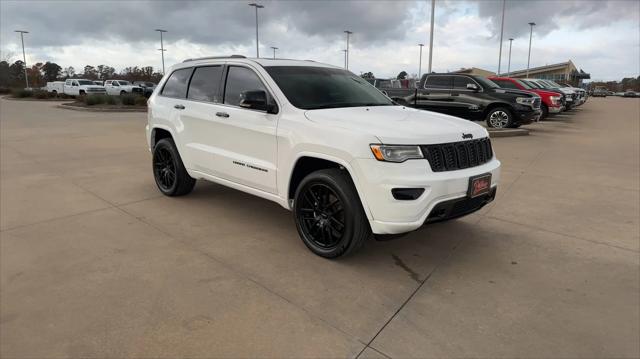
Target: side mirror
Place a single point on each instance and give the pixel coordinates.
(254, 100)
(472, 87)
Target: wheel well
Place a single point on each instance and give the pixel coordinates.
(159, 134)
(491, 106)
(304, 166)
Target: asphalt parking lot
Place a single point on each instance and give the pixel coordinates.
(94, 262)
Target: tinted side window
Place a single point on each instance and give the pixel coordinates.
(506, 84)
(439, 82)
(240, 79)
(176, 85)
(205, 84)
(460, 82)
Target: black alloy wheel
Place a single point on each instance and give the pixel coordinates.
(321, 216)
(169, 172)
(164, 169)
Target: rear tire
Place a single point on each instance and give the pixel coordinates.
(500, 117)
(169, 173)
(329, 215)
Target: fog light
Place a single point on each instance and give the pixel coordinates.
(407, 194)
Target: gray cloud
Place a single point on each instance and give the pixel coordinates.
(552, 15)
(62, 23)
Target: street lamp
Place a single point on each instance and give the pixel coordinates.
(346, 62)
(532, 24)
(420, 61)
(433, 10)
(24, 57)
(274, 51)
(257, 6)
(509, 65)
(161, 49)
(501, 33)
(345, 58)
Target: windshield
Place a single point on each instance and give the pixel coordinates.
(312, 88)
(85, 82)
(532, 84)
(486, 83)
(555, 84)
(523, 84)
(122, 82)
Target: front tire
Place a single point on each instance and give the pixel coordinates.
(169, 173)
(123, 92)
(329, 215)
(545, 112)
(499, 117)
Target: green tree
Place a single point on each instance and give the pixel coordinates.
(51, 71)
(368, 75)
(69, 72)
(105, 72)
(402, 75)
(4, 74)
(90, 73)
(16, 74)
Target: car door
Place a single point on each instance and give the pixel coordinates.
(245, 139)
(465, 102)
(436, 96)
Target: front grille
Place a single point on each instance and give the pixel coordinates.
(536, 102)
(458, 155)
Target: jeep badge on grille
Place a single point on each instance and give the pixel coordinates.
(466, 135)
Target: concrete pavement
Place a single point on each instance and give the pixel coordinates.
(94, 262)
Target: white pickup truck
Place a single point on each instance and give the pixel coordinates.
(122, 87)
(76, 87)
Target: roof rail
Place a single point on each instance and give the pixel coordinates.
(216, 57)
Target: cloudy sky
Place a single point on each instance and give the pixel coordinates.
(601, 37)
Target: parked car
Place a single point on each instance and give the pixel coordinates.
(55, 87)
(321, 142)
(569, 95)
(384, 83)
(552, 102)
(122, 87)
(583, 95)
(631, 93)
(471, 97)
(600, 92)
(147, 87)
(80, 87)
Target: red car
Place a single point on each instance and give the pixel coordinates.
(551, 101)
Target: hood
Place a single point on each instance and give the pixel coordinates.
(398, 125)
(522, 93)
(546, 92)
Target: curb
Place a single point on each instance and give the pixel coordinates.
(507, 132)
(31, 99)
(87, 109)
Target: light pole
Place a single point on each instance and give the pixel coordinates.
(420, 61)
(433, 10)
(24, 57)
(274, 51)
(345, 58)
(509, 65)
(161, 49)
(504, 2)
(346, 63)
(532, 24)
(257, 6)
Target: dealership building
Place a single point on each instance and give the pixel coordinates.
(563, 72)
(566, 72)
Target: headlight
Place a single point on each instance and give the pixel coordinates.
(527, 101)
(555, 99)
(396, 153)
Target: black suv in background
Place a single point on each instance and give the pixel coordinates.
(471, 97)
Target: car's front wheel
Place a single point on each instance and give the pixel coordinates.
(500, 117)
(171, 177)
(545, 112)
(329, 215)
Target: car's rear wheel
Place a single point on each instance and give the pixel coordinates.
(123, 92)
(500, 117)
(329, 215)
(169, 173)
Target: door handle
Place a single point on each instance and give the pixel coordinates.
(222, 114)
(179, 107)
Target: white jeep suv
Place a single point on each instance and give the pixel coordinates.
(320, 141)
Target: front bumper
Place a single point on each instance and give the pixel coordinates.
(528, 116)
(555, 109)
(388, 215)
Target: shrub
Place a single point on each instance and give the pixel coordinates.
(41, 94)
(128, 100)
(91, 100)
(21, 93)
(141, 101)
(110, 100)
(4, 90)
